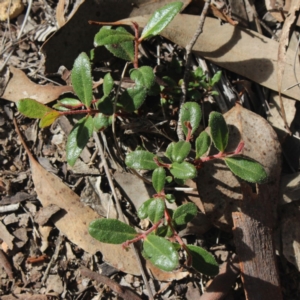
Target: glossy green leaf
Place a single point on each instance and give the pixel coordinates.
(111, 231)
(218, 130)
(184, 213)
(32, 108)
(133, 98)
(78, 138)
(143, 209)
(202, 143)
(216, 78)
(101, 121)
(124, 50)
(156, 210)
(246, 168)
(203, 261)
(160, 19)
(81, 78)
(190, 112)
(161, 252)
(67, 104)
(108, 84)
(49, 118)
(107, 36)
(183, 170)
(141, 160)
(159, 179)
(143, 76)
(178, 152)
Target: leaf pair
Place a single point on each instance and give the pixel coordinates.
(161, 252)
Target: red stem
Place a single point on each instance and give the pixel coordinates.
(142, 236)
(136, 45)
(238, 150)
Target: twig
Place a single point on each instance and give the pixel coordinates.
(186, 75)
(119, 209)
(122, 291)
(53, 258)
(223, 282)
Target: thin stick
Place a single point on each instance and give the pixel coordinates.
(122, 291)
(119, 209)
(186, 76)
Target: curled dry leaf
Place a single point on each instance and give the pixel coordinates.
(20, 86)
(218, 188)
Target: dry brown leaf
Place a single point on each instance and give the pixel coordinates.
(19, 87)
(10, 9)
(282, 53)
(218, 188)
(241, 51)
(77, 35)
(290, 233)
(275, 118)
(7, 238)
(60, 18)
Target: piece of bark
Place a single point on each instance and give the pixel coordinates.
(254, 244)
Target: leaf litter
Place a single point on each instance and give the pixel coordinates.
(45, 231)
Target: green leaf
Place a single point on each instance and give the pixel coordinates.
(105, 105)
(141, 160)
(184, 213)
(101, 121)
(183, 170)
(111, 231)
(202, 144)
(108, 84)
(216, 78)
(81, 78)
(160, 19)
(161, 252)
(156, 210)
(164, 231)
(246, 168)
(78, 138)
(203, 261)
(124, 50)
(158, 179)
(107, 36)
(67, 104)
(32, 108)
(133, 98)
(178, 152)
(143, 76)
(190, 112)
(170, 198)
(143, 209)
(49, 118)
(218, 130)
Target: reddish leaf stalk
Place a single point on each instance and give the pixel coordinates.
(136, 45)
(238, 150)
(79, 112)
(161, 164)
(143, 235)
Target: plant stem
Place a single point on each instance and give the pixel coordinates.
(136, 45)
(143, 235)
(238, 150)
(79, 112)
